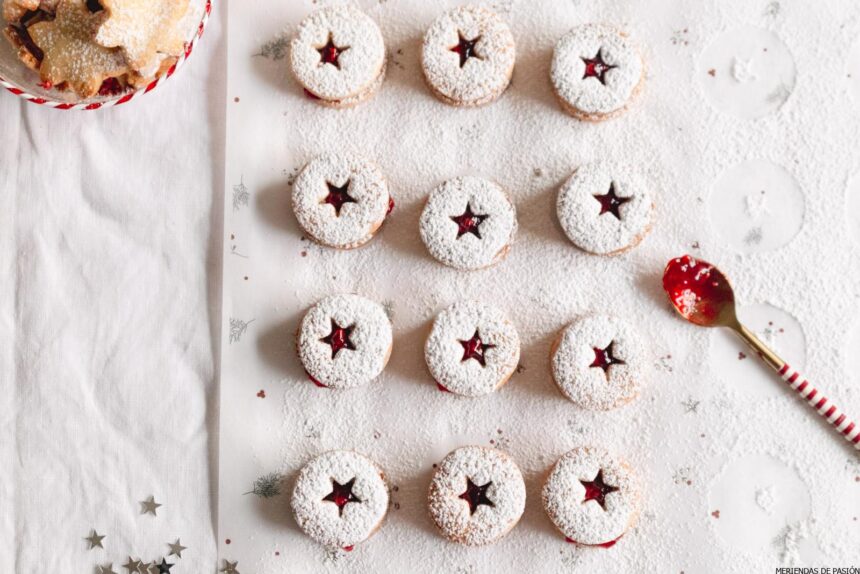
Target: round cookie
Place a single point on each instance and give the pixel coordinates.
(599, 362)
(596, 72)
(591, 497)
(341, 200)
(468, 223)
(468, 56)
(472, 350)
(338, 56)
(340, 498)
(344, 341)
(604, 209)
(477, 495)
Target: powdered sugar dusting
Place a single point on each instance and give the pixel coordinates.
(445, 355)
(321, 519)
(489, 522)
(588, 386)
(586, 522)
(483, 77)
(371, 337)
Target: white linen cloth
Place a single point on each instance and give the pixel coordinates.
(110, 239)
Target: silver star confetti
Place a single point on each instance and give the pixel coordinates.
(230, 567)
(132, 565)
(176, 548)
(105, 569)
(95, 540)
(691, 406)
(149, 506)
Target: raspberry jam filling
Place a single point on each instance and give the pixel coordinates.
(597, 490)
(339, 339)
(596, 67)
(441, 388)
(476, 495)
(604, 358)
(341, 494)
(611, 203)
(338, 196)
(469, 222)
(315, 381)
(609, 544)
(390, 206)
(697, 290)
(466, 49)
(475, 348)
(111, 87)
(330, 53)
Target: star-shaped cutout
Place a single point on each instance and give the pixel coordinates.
(149, 506)
(133, 566)
(95, 540)
(475, 348)
(604, 358)
(476, 495)
(176, 548)
(466, 49)
(108, 569)
(339, 338)
(611, 203)
(338, 196)
(230, 567)
(596, 67)
(469, 222)
(597, 490)
(341, 494)
(164, 567)
(330, 53)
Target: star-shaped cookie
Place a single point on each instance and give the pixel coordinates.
(143, 29)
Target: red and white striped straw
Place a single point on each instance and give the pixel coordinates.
(840, 421)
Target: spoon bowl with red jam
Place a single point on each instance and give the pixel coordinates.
(703, 296)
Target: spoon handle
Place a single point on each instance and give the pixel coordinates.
(813, 397)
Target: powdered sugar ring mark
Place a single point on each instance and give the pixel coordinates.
(359, 64)
(482, 78)
(322, 520)
(579, 210)
(587, 97)
(444, 351)
(440, 232)
(481, 465)
(586, 522)
(359, 219)
(576, 350)
(371, 337)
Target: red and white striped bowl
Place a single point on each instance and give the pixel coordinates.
(21, 81)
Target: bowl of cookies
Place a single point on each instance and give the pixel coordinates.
(89, 54)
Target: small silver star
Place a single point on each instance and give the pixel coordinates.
(106, 569)
(149, 506)
(132, 565)
(176, 548)
(148, 568)
(230, 567)
(95, 540)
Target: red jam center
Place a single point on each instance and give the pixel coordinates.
(469, 222)
(475, 348)
(697, 289)
(476, 495)
(338, 196)
(330, 53)
(466, 49)
(596, 67)
(611, 203)
(604, 358)
(341, 494)
(339, 338)
(597, 490)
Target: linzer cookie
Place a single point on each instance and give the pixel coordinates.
(599, 362)
(338, 56)
(340, 499)
(591, 497)
(604, 208)
(472, 350)
(468, 223)
(341, 200)
(477, 495)
(468, 56)
(596, 72)
(344, 341)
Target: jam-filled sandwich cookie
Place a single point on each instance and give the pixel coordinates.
(468, 223)
(468, 56)
(344, 341)
(591, 497)
(340, 498)
(338, 56)
(604, 208)
(596, 72)
(472, 350)
(341, 200)
(477, 495)
(599, 362)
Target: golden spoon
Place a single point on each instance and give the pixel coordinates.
(703, 295)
